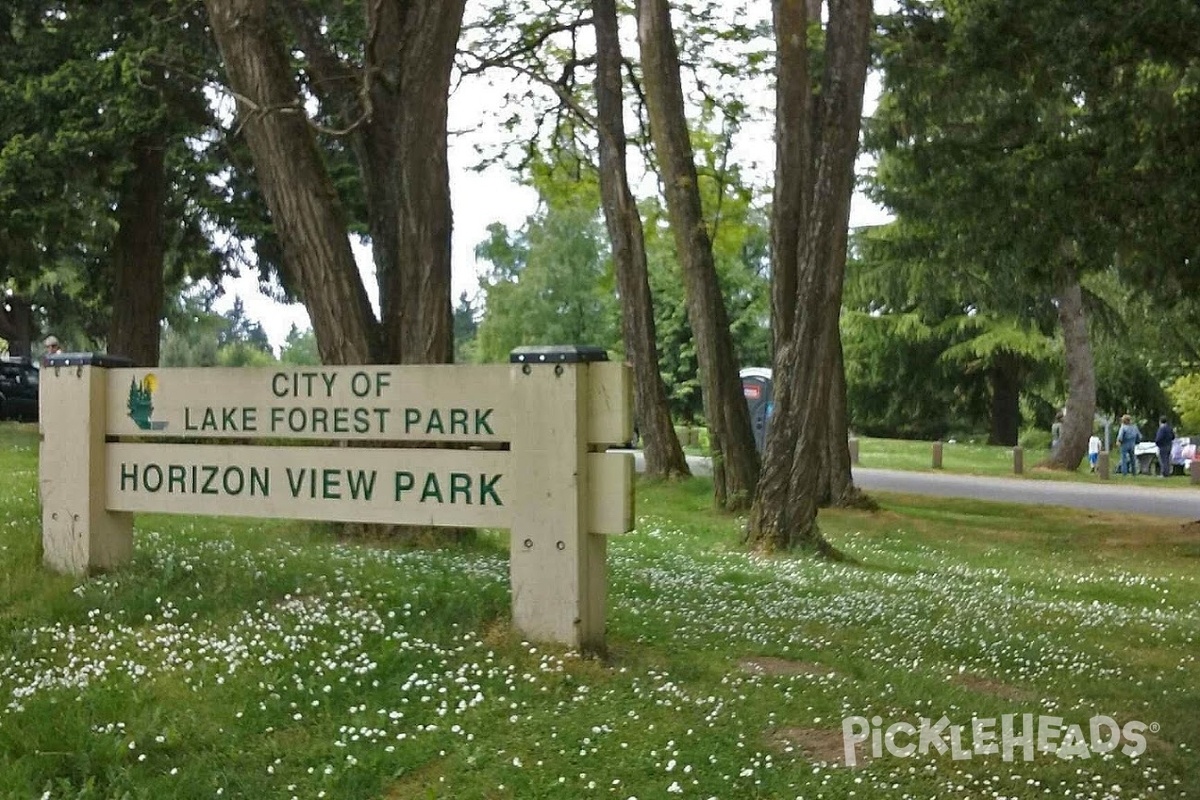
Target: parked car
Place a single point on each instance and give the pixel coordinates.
(18, 389)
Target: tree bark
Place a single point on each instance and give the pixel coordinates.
(664, 456)
(1079, 418)
(793, 158)
(304, 205)
(784, 512)
(731, 439)
(402, 158)
(16, 325)
(837, 487)
(411, 58)
(139, 251)
(1005, 378)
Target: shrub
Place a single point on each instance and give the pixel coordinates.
(1185, 396)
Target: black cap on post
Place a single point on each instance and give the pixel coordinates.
(557, 354)
(86, 360)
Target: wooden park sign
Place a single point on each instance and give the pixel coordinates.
(520, 446)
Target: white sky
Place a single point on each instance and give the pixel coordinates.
(493, 195)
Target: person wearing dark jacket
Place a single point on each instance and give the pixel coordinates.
(1163, 440)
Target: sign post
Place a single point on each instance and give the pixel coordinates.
(79, 532)
(519, 446)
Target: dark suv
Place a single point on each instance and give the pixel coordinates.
(18, 389)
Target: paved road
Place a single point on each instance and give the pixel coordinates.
(1110, 496)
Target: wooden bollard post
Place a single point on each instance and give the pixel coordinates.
(1102, 465)
(1194, 470)
(853, 444)
(937, 455)
(1018, 456)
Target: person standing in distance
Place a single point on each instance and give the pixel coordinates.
(1056, 432)
(1128, 437)
(1163, 440)
(52, 345)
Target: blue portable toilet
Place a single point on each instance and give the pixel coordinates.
(758, 389)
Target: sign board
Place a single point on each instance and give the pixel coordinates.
(518, 446)
(464, 488)
(382, 403)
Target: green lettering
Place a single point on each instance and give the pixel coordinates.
(152, 474)
(320, 420)
(481, 421)
(227, 421)
(460, 483)
(431, 489)
(458, 419)
(233, 487)
(331, 484)
(210, 475)
(295, 480)
(435, 421)
(260, 481)
(362, 483)
(177, 476)
(488, 488)
(250, 418)
(209, 423)
(404, 483)
(129, 473)
(412, 416)
(341, 420)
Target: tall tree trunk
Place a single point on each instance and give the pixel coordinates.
(793, 169)
(731, 439)
(16, 325)
(835, 466)
(304, 205)
(793, 157)
(1005, 378)
(401, 156)
(837, 487)
(785, 506)
(1080, 415)
(139, 250)
(411, 57)
(664, 456)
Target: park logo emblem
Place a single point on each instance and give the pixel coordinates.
(141, 403)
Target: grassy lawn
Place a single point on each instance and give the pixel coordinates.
(265, 659)
(975, 459)
(983, 459)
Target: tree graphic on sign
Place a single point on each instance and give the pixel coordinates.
(141, 402)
